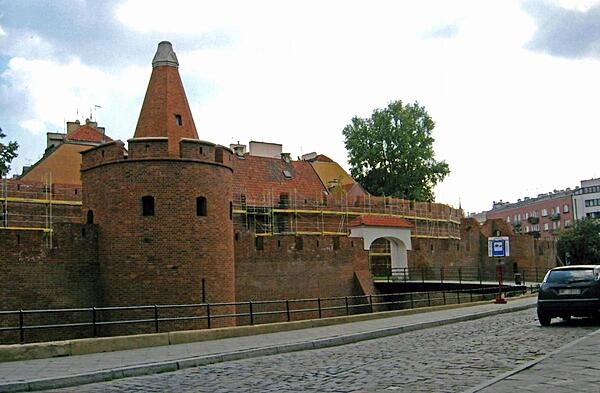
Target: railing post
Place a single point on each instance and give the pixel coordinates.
(208, 315)
(319, 307)
(442, 275)
(471, 294)
(346, 303)
(444, 297)
(460, 275)
(458, 295)
(371, 302)
(479, 274)
(422, 275)
(94, 320)
(405, 273)
(156, 318)
(428, 299)
(21, 328)
(251, 313)
(287, 310)
(412, 301)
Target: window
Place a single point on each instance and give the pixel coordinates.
(299, 243)
(178, 120)
(567, 223)
(544, 212)
(147, 205)
(508, 219)
(90, 217)
(259, 244)
(565, 208)
(201, 206)
(545, 226)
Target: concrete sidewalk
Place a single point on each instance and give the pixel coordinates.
(39, 374)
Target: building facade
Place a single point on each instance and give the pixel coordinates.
(540, 217)
(586, 199)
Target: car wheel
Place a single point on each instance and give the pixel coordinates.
(544, 319)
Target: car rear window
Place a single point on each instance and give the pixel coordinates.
(570, 275)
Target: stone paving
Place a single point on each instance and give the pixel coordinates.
(485, 354)
(574, 367)
(449, 358)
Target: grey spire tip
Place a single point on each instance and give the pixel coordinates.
(165, 56)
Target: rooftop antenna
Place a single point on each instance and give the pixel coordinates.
(96, 107)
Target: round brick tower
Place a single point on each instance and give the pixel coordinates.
(163, 207)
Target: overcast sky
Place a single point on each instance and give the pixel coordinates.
(512, 86)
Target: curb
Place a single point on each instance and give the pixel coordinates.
(529, 364)
(174, 365)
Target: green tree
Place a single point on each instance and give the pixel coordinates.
(7, 153)
(580, 243)
(391, 153)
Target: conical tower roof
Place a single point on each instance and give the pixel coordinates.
(165, 111)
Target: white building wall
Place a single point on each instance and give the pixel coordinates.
(586, 199)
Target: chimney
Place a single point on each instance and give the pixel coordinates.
(72, 126)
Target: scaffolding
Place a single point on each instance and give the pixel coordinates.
(37, 206)
(289, 213)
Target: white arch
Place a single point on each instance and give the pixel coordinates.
(399, 239)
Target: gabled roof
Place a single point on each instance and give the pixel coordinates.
(375, 220)
(257, 177)
(87, 133)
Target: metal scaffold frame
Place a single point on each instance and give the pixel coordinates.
(16, 218)
(290, 214)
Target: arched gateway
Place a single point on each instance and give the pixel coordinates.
(396, 230)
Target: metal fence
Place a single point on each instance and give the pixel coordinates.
(37, 325)
(462, 275)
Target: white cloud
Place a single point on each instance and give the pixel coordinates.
(35, 126)
(297, 72)
(578, 5)
(66, 91)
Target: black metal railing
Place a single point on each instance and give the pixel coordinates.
(34, 325)
(462, 275)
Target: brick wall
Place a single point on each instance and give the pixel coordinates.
(290, 267)
(37, 277)
(162, 258)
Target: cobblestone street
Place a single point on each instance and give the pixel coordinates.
(450, 358)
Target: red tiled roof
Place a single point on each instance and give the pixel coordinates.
(322, 158)
(380, 221)
(257, 177)
(87, 133)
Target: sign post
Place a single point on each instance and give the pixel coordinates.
(499, 247)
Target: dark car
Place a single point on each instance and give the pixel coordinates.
(569, 291)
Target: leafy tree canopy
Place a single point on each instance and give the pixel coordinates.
(7, 153)
(391, 153)
(580, 243)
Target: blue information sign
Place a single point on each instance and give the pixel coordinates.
(498, 246)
